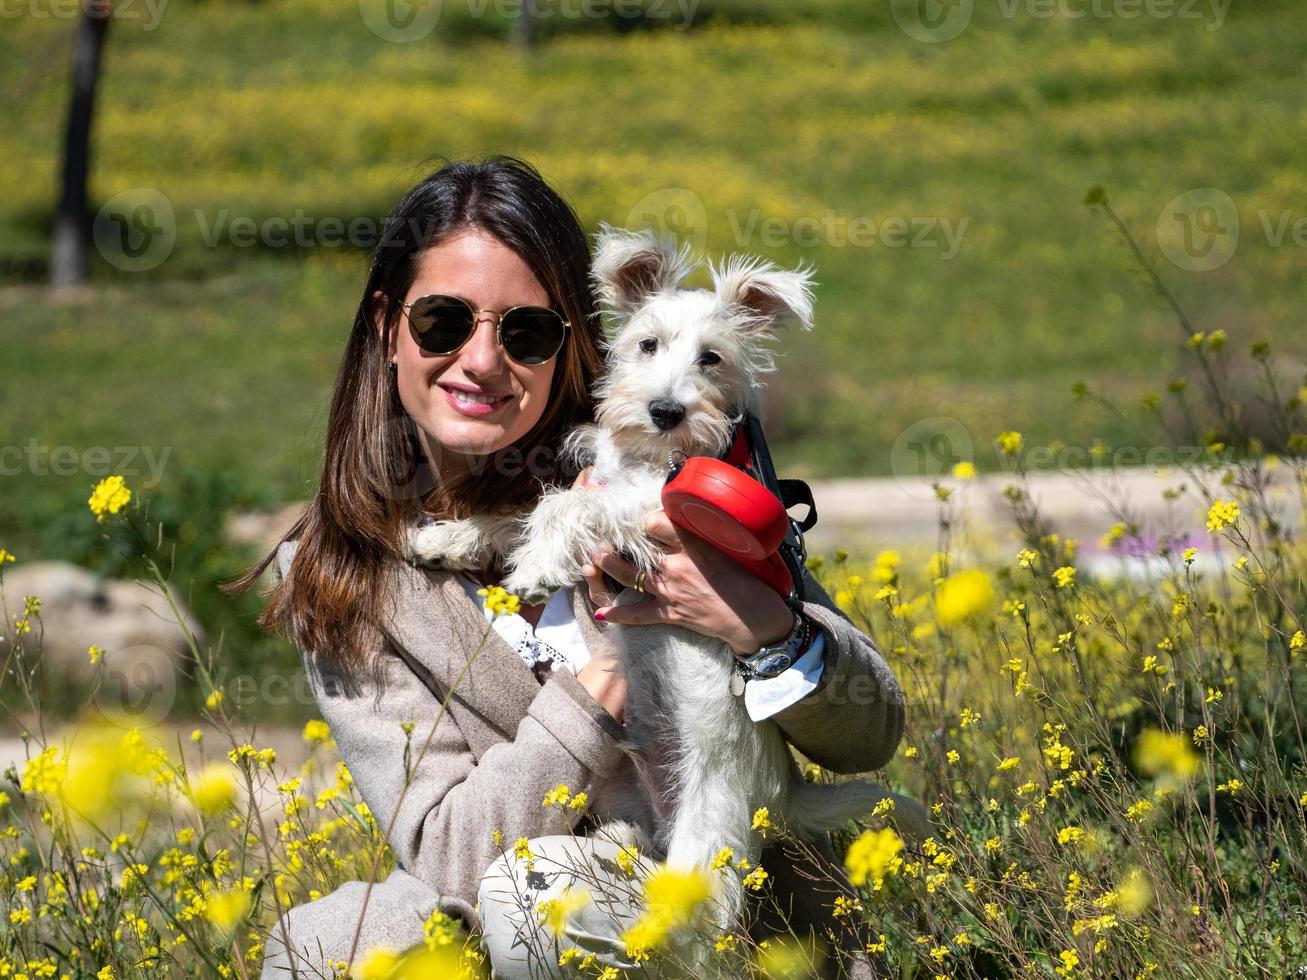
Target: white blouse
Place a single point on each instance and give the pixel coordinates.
(557, 640)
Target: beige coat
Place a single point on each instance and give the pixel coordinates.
(508, 739)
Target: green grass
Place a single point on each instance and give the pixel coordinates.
(225, 354)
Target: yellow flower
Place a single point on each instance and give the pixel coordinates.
(1297, 641)
(1159, 753)
(723, 858)
(872, 855)
(226, 909)
(627, 858)
(5, 556)
(1011, 762)
(1222, 514)
(214, 699)
(762, 819)
(558, 796)
(755, 878)
(522, 851)
(963, 596)
(1065, 577)
(1010, 443)
(672, 899)
(95, 654)
(499, 601)
(1189, 555)
(555, 911)
(1027, 558)
(109, 496)
(214, 791)
(316, 731)
(964, 470)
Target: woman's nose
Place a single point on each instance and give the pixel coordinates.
(481, 355)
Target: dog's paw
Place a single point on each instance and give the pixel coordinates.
(528, 588)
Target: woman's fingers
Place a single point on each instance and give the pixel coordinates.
(607, 560)
(660, 527)
(600, 594)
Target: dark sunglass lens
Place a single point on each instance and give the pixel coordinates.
(442, 323)
(532, 335)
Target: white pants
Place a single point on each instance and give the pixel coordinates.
(520, 947)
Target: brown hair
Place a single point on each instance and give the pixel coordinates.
(375, 478)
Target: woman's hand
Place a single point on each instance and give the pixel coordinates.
(603, 678)
(697, 587)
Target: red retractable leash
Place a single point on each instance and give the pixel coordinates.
(736, 503)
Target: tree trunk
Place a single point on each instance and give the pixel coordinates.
(68, 254)
(524, 27)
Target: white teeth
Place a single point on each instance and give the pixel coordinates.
(467, 396)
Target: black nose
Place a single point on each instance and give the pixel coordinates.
(666, 414)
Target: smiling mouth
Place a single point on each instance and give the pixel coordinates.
(467, 396)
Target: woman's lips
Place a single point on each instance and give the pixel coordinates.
(476, 409)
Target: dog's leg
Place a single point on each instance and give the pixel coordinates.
(557, 539)
(568, 526)
(470, 543)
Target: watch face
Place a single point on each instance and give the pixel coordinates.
(773, 664)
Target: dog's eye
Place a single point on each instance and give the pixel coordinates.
(710, 357)
(648, 345)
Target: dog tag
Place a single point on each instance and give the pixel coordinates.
(737, 683)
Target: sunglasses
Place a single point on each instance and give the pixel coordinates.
(528, 334)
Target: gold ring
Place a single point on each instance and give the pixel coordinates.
(639, 580)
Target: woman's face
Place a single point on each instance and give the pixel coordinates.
(477, 267)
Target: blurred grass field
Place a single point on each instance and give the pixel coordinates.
(223, 354)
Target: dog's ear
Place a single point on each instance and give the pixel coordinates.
(629, 267)
(770, 296)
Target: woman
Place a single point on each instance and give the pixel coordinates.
(470, 429)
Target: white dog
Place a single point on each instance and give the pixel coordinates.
(682, 368)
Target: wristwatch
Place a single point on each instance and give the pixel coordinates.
(773, 660)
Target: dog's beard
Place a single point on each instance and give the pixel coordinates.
(631, 431)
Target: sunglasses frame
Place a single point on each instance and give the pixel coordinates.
(499, 324)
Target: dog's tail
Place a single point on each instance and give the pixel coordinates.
(826, 806)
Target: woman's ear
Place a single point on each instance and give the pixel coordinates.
(770, 296)
(630, 267)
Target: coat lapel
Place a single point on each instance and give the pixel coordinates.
(440, 630)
